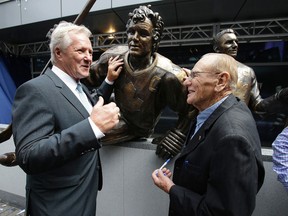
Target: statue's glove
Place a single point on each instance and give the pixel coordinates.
(6, 133)
(282, 95)
(8, 159)
(170, 145)
(276, 103)
(280, 119)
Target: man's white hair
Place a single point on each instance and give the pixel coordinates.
(60, 36)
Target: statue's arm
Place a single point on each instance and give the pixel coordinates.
(98, 72)
(273, 104)
(255, 97)
(276, 103)
(175, 94)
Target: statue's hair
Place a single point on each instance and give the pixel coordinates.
(217, 37)
(60, 36)
(139, 15)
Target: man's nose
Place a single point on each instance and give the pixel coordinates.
(88, 56)
(187, 81)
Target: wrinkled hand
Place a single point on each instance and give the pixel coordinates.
(106, 116)
(170, 145)
(114, 68)
(161, 179)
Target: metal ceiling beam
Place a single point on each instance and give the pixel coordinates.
(247, 31)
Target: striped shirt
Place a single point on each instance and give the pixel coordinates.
(280, 157)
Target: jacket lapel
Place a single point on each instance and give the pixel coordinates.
(67, 93)
(199, 137)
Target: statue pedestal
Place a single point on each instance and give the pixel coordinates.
(128, 188)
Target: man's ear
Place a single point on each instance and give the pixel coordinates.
(223, 81)
(57, 51)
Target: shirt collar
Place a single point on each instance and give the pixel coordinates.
(68, 80)
(204, 115)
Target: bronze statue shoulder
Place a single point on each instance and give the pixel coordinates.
(167, 65)
(245, 70)
(114, 51)
(98, 69)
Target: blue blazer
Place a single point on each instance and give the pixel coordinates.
(220, 169)
(56, 147)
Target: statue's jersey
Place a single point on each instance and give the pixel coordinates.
(141, 95)
(247, 86)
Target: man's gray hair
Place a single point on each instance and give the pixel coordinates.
(223, 62)
(60, 36)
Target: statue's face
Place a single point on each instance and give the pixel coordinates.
(140, 38)
(228, 44)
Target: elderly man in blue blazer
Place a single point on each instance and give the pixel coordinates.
(220, 169)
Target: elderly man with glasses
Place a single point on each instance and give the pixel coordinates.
(220, 170)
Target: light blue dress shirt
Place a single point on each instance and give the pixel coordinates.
(204, 115)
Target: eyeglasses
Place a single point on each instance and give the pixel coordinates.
(193, 74)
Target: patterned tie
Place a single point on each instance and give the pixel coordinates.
(83, 98)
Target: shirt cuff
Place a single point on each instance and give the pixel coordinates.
(98, 133)
(109, 82)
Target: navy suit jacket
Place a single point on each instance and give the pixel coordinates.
(56, 147)
(220, 170)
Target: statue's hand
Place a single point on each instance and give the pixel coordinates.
(49, 33)
(280, 119)
(8, 159)
(282, 95)
(6, 133)
(170, 145)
